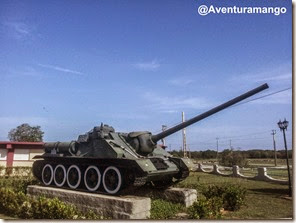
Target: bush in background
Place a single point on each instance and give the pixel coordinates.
(20, 171)
(231, 158)
(17, 178)
(232, 195)
(216, 198)
(17, 184)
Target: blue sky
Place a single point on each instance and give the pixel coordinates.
(136, 65)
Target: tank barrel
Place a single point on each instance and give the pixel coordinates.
(206, 114)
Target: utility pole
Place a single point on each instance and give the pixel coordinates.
(283, 126)
(163, 127)
(184, 136)
(189, 153)
(217, 139)
(273, 132)
(230, 144)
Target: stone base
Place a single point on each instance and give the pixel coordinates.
(184, 196)
(116, 207)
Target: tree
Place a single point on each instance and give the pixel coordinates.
(231, 158)
(26, 133)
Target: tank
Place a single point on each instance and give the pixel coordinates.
(105, 161)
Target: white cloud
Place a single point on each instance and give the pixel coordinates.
(26, 71)
(170, 111)
(279, 75)
(261, 77)
(173, 104)
(273, 78)
(18, 30)
(181, 82)
(148, 66)
(61, 69)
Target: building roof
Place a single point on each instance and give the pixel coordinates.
(22, 143)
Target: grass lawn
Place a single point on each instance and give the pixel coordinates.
(253, 163)
(267, 162)
(263, 201)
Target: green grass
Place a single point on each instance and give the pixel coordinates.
(161, 209)
(279, 173)
(249, 172)
(267, 162)
(263, 201)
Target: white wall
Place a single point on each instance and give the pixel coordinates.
(21, 154)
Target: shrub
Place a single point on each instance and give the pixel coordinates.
(2, 170)
(11, 202)
(20, 171)
(205, 208)
(215, 205)
(213, 191)
(231, 158)
(20, 205)
(232, 195)
(17, 184)
(161, 209)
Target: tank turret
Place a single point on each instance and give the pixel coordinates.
(105, 161)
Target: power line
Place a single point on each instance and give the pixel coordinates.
(250, 139)
(263, 96)
(238, 136)
(244, 102)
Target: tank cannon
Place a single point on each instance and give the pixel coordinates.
(144, 142)
(105, 161)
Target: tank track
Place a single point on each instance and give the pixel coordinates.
(115, 178)
(140, 181)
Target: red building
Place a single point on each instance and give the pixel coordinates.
(19, 153)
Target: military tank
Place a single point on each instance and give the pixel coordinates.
(105, 161)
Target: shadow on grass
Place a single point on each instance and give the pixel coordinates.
(274, 191)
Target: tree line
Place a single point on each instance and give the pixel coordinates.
(248, 154)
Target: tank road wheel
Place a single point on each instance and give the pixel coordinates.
(92, 178)
(73, 176)
(59, 175)
(112, 180)
(47, 174)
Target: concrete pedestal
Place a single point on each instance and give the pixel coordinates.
(180, 195)
(116, 207)
(184, 196)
